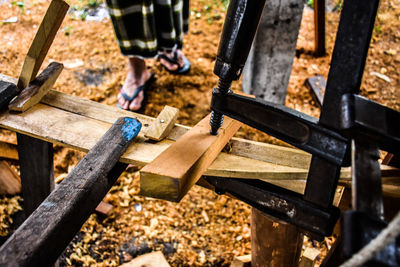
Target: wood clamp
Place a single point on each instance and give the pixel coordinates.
(348, 122)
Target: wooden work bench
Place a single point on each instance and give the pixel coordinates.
(79, 124)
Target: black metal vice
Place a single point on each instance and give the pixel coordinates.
(348, 123)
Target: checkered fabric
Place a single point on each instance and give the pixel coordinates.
(144, 27)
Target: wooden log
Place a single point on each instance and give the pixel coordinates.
(153, 259)
(8, 150)
(10, 183)
(163, 124)
(41, 43)
(275, 244)
(177, 169)
(37, 172)
(36, 89)
(45, 234)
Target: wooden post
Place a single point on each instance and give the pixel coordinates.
(319, 27)
(45, 234)
(268, 66)
(274, 244)
(36, 167)
(266, 75)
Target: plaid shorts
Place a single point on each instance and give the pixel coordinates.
(144, 27)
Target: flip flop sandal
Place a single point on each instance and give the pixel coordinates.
(181, 70)
(138, 90)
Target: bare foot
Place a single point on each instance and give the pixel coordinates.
(137, 75)
(171, 66)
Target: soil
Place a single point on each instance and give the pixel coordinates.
(204, 229)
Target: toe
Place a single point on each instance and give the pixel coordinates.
(168, 65)
(136, 103)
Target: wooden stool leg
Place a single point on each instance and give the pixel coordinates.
(319, 24)
(37, 173)
(273, 244)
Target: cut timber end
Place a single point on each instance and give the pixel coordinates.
(163, 125)
(37, 89)
(177, 169)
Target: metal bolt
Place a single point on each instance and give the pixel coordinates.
(162, 120)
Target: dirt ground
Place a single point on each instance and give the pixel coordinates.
(204, 229)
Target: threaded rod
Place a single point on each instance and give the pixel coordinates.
(217, 118)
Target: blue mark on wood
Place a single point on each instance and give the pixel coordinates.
(131, 128)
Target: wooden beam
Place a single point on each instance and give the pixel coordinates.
(41, 43)
(10, 183)
(36, 89)
(163, 124)
(177, 169)
(45, 234)
(8, 150)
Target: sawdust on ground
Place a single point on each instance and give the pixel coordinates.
(204, 229)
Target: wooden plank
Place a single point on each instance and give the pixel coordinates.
(37, 172)
(10, 183)
(39, 87)
(264, 152)
(90, 120)
(41, 43)
(45, 234)
(163, 124)
(153, 259)
(49, 124)
(177, 169)
(8, 150)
